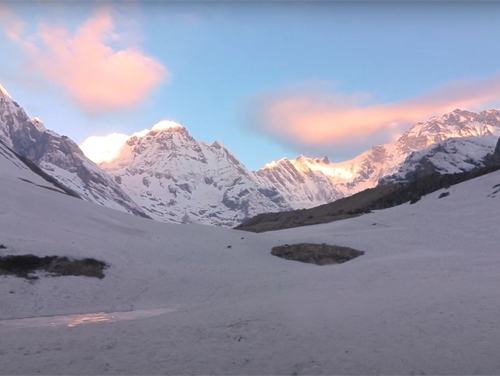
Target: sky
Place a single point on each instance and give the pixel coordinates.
(267, 79)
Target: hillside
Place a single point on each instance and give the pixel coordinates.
(381, 197)
(59, 157)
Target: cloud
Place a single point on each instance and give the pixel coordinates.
(103, 148)
(97, 77)
(311, 119)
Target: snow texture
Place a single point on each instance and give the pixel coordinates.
(424, 298)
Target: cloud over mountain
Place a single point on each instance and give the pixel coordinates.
(323, 119)
(95, 65)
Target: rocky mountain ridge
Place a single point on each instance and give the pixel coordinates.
(322, 181)
(59, 157)
(179, 179)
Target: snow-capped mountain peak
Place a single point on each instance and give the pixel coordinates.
(177, 178)
(322, 165)
(170, 175)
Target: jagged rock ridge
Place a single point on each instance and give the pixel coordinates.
(60, 157)
(177, 178)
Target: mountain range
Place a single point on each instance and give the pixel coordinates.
(165, 174)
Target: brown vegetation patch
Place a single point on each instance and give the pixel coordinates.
(24, 266)
(318, 254)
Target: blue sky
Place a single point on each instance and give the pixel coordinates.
(268, 79)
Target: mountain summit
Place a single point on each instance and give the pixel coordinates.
(177, 178)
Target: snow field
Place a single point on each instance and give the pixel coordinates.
(424, 299)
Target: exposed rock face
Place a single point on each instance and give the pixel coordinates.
(493, 158)
(60, 157)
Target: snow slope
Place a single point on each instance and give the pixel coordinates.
(424, 299)
(14, 168)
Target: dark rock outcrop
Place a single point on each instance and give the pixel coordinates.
(493, 159)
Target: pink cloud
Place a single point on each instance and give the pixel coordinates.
(321, 120)
(97, 77)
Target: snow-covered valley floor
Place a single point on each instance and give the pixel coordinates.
(424, 299)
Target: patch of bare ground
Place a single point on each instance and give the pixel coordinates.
(318, 254)
(24, 266)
